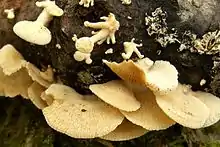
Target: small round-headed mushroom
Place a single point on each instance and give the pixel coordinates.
(36, 32)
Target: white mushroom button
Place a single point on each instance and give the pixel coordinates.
(10, 13)
(86, 3)
(131, 47)
(36, 32)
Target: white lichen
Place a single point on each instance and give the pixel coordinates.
(157, 26)
(209, 44)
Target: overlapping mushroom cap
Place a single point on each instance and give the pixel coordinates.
(120, 110)
(163, 101)
(80, 116)
(147, 73)
(19, 77)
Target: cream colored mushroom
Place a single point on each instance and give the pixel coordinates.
(147, 74)
(10, 13)
(34, 94)
(125, 131)
(43, 78)
(80, 116)
(15, 84)
(10, 59)
(116, 94)
(184, 108)
(149, 116)
(16, 74)
(213, 103)
(85, 45)
(86, 3)
(36, 32)
(131, 47)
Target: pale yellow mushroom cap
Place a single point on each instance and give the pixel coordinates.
(84, 44)
(32, 32)
(125, 131)
(184, 108)
(36, 75)
(50, 7)
(80, 117)
(213, 103)
(17, 75)
(15, 84)
(147, 74)
(10, 59)
(149, 116)
(34, 94)
(116, 94)
(157, 81)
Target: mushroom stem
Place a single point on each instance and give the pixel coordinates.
(44, 18)
(99, 35)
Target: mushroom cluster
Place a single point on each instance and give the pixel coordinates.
(85, 45)
(163, 100)
(143, 100)
(19, 77)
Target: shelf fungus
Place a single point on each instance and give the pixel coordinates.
(131, 47)
(80, 116)
(86, 3)
(85, 45)
(10, 13)
(160, 107)
(149, 73)
(125, 131)
(36, 32)
(19, 77)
